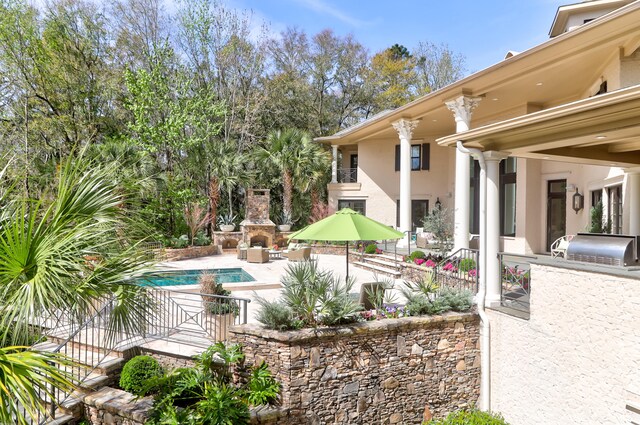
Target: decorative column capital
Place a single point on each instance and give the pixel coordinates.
(405, 128)
(496, 156)
(462, 108)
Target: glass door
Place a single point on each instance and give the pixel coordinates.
(556, 210)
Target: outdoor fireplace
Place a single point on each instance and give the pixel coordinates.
(257, 228)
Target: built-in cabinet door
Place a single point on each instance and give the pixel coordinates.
(556, 210)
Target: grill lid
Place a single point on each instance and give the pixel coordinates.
(614, 250)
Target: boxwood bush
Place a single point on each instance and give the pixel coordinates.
(371, 249)
(137, 371)
(470, 417)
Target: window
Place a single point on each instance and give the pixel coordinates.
(508, 197)
(420, 157)
(419, 210)
(358, 205)
(474, 198)
(596, 197)
(615, 209)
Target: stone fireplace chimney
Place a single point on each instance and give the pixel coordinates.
(257, 228)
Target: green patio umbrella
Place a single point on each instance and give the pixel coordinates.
(344, 226)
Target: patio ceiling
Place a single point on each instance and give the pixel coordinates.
(602, 130)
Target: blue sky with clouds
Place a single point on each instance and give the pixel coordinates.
(482, 30)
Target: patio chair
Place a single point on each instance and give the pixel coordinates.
(560, 245)
(257, 255)
(300, 254)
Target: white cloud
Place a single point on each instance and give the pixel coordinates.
(327, 9)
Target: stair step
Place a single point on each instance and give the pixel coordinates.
(381, 262)
(93, 359)
(388, 271)
(61, 420)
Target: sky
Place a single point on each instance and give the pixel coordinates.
(481, 30)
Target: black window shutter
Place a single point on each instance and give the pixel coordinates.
(397, 157)
(426, 155)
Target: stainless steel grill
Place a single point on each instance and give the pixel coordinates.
(612, 250)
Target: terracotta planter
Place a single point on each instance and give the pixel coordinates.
(284, 227)
(227, 227)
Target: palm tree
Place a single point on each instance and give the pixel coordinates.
(226, 171)
(44, 270)
(312, 173)
(287, 151)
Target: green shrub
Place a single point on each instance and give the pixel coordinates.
(208, 393)
(470, 417)
(371, 249)
(317, 296)
(201, 239)
(467, 264)
(423, 298)
(416, 254)
(276, 315)
(137, 371)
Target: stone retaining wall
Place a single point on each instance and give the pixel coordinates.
(383, 372)
(110, 406)
(175, 254)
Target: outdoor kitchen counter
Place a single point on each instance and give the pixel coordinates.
(628, 272)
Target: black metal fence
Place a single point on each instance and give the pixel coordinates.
(459, 270)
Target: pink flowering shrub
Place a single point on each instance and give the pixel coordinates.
(430, 263)
(473, 273)
(449, 267)
(419, 261)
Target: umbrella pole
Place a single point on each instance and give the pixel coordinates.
(347, 260)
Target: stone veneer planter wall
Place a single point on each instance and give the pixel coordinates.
(389, 371)
(174, 254)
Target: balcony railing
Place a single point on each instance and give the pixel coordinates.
(347, 175)
(516, 281)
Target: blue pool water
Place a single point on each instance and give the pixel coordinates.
(190, 277)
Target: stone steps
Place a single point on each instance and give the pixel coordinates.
(391, 272)
(102, 370)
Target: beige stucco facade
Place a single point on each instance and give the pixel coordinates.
(551, 81)
(575, 361)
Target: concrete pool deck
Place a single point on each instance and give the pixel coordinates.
(266, 285)
(266, 275)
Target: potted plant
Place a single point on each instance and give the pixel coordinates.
(227, 222)
(285, 222)
(220, 312)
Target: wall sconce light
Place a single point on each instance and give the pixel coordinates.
(578, 201)
(438, 204)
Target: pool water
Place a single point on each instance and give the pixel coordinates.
(190, 277)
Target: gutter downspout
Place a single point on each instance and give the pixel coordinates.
(485, 329)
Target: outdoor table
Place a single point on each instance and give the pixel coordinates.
(275, 254)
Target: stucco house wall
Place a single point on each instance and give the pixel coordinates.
(576, 360)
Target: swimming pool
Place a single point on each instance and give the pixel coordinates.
(190, 277)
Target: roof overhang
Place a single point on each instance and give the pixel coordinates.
(603, 130)
(565, 64)
(564, 12)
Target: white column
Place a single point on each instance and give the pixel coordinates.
(462, 108)
(405, 131)
(334, 164)
(493, 278)
(633, 193)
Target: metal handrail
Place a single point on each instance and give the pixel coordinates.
(347, 175)
(458, 278)
(166, 315)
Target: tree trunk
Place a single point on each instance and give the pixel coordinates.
(214, 199)
(287, 185)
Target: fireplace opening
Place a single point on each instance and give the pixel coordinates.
(229, 244)
(259, 240)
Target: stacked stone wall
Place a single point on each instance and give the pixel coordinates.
(393, 371)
